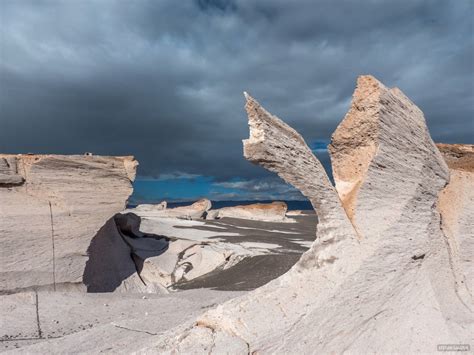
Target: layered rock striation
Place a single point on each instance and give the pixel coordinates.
(51, 207)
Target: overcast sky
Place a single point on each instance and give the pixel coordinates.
(163, 80)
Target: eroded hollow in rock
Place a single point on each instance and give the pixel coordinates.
(117, 252)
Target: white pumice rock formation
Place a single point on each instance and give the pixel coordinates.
(196, 210)
(268, 212)
(381, 275)
(51, 207)
(212, 214)
(152, 207)
(390, 270)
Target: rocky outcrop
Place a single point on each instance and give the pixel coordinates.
(269, 212)
(194, 211)
(379, 276)
(382, 157)
(51, 208)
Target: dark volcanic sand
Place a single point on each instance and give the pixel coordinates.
(257, 271)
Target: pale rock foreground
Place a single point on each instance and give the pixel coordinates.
(93, 323)
(267, 212)
(51, 207)
(382, 275)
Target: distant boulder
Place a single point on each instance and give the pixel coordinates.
(194, 211)
(269, 212)
(152, 207)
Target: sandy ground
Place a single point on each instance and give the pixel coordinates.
(76, 322)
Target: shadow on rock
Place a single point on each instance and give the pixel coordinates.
(118, 251)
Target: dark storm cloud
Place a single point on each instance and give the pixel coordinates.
(163, 80)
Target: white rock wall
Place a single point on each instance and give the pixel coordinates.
(50, 215)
